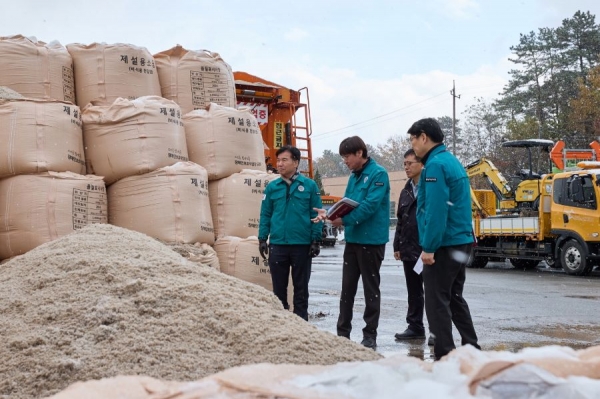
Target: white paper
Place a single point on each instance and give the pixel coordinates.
(418, 266)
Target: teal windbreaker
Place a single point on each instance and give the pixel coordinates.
(369, 222)
(286, 211)
(444, 202)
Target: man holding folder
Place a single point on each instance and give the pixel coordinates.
(366, 230)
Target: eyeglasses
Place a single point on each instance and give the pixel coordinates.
(408, 163)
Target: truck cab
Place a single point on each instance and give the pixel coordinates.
(575, 218)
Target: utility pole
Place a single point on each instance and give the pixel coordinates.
(454, 97)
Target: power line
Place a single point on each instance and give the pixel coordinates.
(347, 130)
(357, 127)
(377, 117)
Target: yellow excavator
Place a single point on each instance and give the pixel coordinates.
(510, 199)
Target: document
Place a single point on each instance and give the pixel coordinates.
(341, 208)
(418, 266)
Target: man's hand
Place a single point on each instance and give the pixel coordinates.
(337, 222)
(315, 249)
(397, 255)
(427, 258)
(321, 215)
(263, 248)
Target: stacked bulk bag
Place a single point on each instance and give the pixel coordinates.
(239, 257)
(132, 137)
(194, 79)
(170, 204)
(224, 140)
(235, 202)
(40, 136)
(37, 209)
(105, 72)
(35, 69)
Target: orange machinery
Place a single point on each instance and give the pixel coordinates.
(559, 155)
(282, 116)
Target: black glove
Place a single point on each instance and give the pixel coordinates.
(263, 248)
(315, 249)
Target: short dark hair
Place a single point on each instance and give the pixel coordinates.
(352, 145)
(292, 150)
(409, 152)
(430, 127)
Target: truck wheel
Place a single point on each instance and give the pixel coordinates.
(526, 264)
(574, 259)
(477, 262)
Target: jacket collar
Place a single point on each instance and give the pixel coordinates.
(433, 151)
(359, 172)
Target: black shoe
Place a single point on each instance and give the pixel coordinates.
(431, 340)
(409, 334)
(369, 342)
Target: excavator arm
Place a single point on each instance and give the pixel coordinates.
(484, 167)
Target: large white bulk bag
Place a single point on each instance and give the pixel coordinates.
(224, 140)
(132, 137)
(235, 202)
(40, 136)
(239, 257)
(36, 69)
(194, 79)
(170, 204)
(105, 72)
(35, 209)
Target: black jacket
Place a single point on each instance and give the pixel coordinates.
(406, 239)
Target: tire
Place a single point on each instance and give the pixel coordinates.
(573, 257)
(526, 264)
(477, 262)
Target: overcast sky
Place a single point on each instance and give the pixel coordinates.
(372, 68)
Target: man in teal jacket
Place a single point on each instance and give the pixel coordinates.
(366, 231)
(285, 220)
(445, 234)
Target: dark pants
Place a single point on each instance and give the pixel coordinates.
(416, 300)
(361, 260)
(444, 303)
(281, 258)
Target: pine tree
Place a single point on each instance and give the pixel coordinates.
(319, 182)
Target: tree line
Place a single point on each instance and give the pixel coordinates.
(553, 93)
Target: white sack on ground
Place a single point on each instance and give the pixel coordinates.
(194, 79)
(40, 136)
(132, 137)
(105, 72)
(35, 69)
(394, 377)
(235, 202)
(170, 204)
(36, 209)
(224, 140)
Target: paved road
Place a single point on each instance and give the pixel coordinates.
(511, 308)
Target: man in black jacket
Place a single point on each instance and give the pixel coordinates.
(408, 250)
